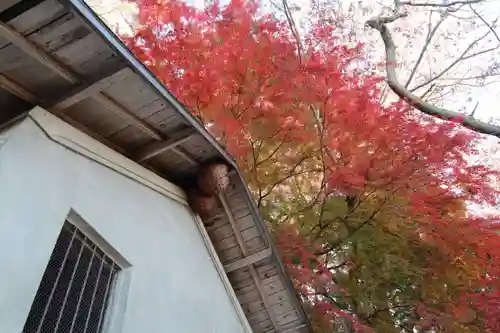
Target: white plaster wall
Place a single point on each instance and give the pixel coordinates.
(173, 287)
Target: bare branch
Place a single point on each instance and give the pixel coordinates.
(474, 111)
(486, 23)
(415, 101)
(428, 4)
(462, 57)
(424, 49)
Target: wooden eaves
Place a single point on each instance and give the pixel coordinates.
(59, 54)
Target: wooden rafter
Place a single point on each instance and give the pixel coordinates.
(93, 90)
(17, 90)
(89, 90)
(248, 260)
(127, 115)
(34, 51)
(157, 148)
(244, 250)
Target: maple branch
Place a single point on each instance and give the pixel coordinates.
(379, 23)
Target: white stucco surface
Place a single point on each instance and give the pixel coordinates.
(173, 283)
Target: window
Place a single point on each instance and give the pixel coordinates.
(75, 288)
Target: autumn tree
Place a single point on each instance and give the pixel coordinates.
(369, 203)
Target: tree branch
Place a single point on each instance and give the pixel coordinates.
(450, 4)
(379, 24)
(424, 49)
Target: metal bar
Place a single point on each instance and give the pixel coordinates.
(89, 246)
(111, 273)
(38, 330)
(93, 296)
(69, 287)
(83, 289)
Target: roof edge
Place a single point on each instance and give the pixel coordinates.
(97, 24)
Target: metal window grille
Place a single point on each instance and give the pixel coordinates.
(74, 291)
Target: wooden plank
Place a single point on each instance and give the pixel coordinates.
(281, 308)
(5, 4)
(246, 221)
(228, 243)
(36, 17)
(249, 297)
(266, 270)
(251, 233)
(265, 299)
(287, 318)
(264, 326)
(248, 260)
(89, 90)
(272, 284)
(294, 328)
(230, 254)
(253, 272)
(253, 307)
(182, 153)
(120, 110)
(280, 297)
(232, 221)
(258, 317)
(221, 232)
(32, 50)
(29, 48)
(133, 92)
(17, 90)
(157, 148)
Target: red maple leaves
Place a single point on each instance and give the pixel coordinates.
(314, 128)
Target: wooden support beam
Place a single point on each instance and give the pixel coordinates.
(17, 90)
(157, 148)
(41, 56)
(184, 154)
(248, 260)
(125, 114)
(34, 51)
(89, 90)
(294, 329)
(244, 250)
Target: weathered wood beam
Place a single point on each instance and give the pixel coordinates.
(89, 90)
(41, 56)
(125, 114)
(294, 329)
(244, 250)
(34, 51)
(248, 260)
(157, 148)
(185, 155)
(17, 90)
